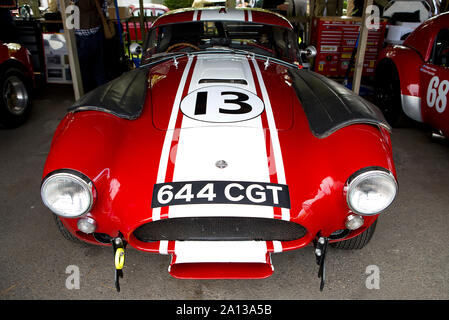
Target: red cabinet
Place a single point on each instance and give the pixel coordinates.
(335, 39)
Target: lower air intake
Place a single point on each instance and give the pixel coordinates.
(220, 229)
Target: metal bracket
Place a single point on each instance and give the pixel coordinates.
(118, 246)
(175, 62)
(267, 63)
(320, 255)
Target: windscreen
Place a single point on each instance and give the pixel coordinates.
(267, 40)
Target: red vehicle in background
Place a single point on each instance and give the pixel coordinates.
(132, 26)
(412, 79)
(16, 83)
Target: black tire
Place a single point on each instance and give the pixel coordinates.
(357, 242)
(15, 98)
(66, 233)
(388, 94)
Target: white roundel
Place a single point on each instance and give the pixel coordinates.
(221, 104)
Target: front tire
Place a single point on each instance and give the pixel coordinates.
(357, 242)
(66, 233)
(15, 100)
(388, 94)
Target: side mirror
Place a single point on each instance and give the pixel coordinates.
(135, 49)
(309, 52)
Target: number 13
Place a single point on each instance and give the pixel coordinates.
(201, 103)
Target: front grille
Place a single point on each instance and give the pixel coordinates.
(220, 229)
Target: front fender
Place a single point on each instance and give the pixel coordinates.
(407, 62)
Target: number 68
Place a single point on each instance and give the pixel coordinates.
(437, 99)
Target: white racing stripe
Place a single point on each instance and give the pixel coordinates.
(220, 251)
(156, 213)
(277, 246)
(163, 247)
(250, 16)
(218, 15)
(274, 136)
(241, 144)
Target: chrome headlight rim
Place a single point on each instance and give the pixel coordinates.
(361, 174)
(79, 177)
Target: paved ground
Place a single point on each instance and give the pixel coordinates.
(409, 247)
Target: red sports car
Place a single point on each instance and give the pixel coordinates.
(16, 84)
(219, 151)
(413, 78)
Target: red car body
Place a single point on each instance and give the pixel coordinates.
(422, 72)
(126, 159)
(14, 55)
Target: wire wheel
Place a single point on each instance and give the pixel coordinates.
(15, 95)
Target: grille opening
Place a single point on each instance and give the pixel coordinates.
(339, 234)
(220, 229)
(233, 81)
(102, 237)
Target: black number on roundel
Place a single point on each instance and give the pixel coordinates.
(244, 107)
(201, 103)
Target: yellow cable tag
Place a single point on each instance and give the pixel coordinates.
(119, 258)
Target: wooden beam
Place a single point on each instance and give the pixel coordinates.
(340, 8)
(298, 19)
(309, 25)
(312, 8)
(142, 20)
(72, 53)
(356, 81)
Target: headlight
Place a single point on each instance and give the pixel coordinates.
(371, 190)
(67, 193)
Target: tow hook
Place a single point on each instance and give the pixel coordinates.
(118, 245)
(320, 255)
